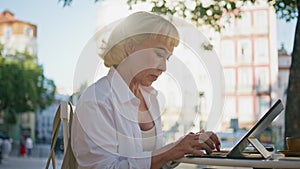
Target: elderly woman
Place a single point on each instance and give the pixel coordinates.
(117, 121)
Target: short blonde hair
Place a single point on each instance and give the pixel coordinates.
(139, 26)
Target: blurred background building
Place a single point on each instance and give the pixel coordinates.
(44, 120)
(254, 75)
(17, 35)
(248, 53)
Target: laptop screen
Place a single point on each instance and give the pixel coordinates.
(257, 129)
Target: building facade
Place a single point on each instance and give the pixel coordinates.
(248, 53)
(17, 35)
(284, 64)
(45, 119)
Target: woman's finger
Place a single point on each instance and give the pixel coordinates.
(215, 139)
(202, 146)
(206, 139)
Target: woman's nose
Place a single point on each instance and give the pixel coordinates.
(163, 65)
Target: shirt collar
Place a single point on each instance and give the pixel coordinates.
(149, 90)
(119, 86)
(122, 90)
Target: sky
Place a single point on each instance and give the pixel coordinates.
(64, 31)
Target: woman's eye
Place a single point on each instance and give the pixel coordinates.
(159, 54)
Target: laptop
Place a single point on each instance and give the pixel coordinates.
(240, 149)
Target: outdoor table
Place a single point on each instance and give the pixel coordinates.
(278, 162)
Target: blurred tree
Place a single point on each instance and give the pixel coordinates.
(24, 88)
(209, 12)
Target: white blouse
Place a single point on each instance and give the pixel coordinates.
(105, 129)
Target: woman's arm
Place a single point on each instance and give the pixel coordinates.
(90, 155)
(96, 143)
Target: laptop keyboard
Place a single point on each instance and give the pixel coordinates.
(223, 154)
(215, 154)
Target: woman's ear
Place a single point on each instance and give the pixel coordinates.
(129, 46)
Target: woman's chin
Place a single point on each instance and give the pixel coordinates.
(147, 84)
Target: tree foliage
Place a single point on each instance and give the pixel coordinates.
(209, 12)
(286, 9)
(24, 88)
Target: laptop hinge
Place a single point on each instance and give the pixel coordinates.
(259, 147)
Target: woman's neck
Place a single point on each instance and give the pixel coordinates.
(134, 87)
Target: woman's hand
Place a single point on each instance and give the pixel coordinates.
(191, 143)
(210, 139)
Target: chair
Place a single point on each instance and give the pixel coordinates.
(64, 113)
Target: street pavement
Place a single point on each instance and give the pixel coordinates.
(26, 163)
(38, 159)
(40, 163)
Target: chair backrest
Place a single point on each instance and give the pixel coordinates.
(65, 111)
(63, 114)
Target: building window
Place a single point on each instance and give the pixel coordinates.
(261, 48)
(244, 52)
(48, 121)
(227, 52)
(28, 31)
(246, 113)
(245, 81)
(228, 21)
(262, 79)
(244, 23)
(8, 32)
(283, 79)
(260, 22)
(279, 81)
(230, 80)
(263, 104)
(230, 108)
(284, 61)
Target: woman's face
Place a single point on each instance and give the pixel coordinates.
(149, 59)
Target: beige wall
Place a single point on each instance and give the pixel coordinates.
(18, 27)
